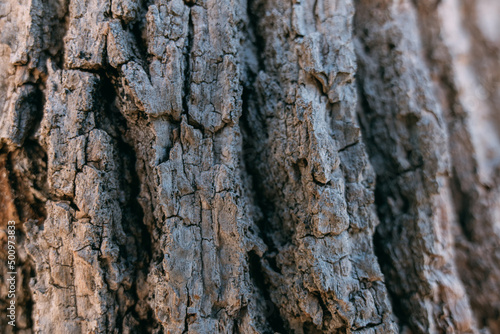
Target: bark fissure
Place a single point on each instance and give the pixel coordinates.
(265, 211)
(272, 315)
(186, 90)
(133, 211)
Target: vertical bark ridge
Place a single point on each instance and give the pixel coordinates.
(86, 251)
(183, 107)
(29, 35)
(467, 79)
(87, 254)
(406, 134)
(312, 174)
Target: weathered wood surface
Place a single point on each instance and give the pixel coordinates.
(219, 166)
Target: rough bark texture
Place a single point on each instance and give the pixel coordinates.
(232, 166)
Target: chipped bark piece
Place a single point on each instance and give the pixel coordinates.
(85, 40)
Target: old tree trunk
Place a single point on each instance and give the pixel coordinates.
(260, 166)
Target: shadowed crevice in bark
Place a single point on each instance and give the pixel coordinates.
(379, 242)
(269, 233)
(137, 27)
(22, 187)
(255, 39)
(260, 280)
(249, 121)
(133, 216)
(23, 165)
(57, 13)
(186, 89)
(28, 177)
(188, 59)
(265, 209)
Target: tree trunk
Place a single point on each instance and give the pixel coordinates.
(260, 166)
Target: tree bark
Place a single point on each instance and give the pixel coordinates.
(232, 166)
